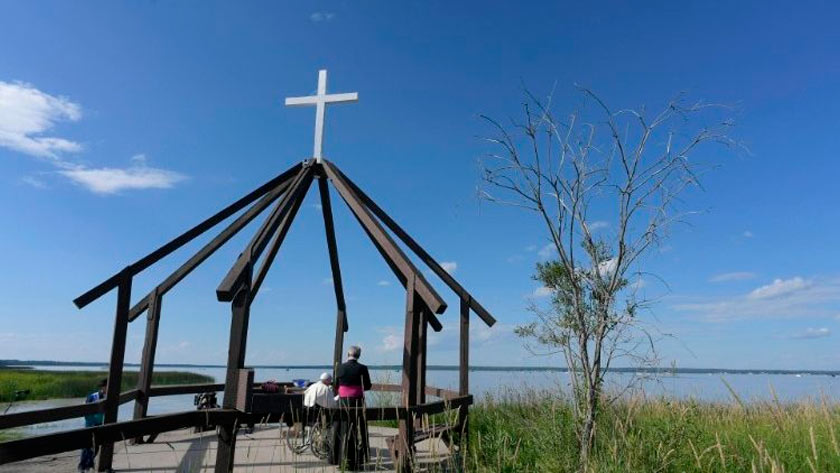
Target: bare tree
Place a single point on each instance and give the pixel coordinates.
(606, 187)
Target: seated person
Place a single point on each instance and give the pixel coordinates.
(320, 393)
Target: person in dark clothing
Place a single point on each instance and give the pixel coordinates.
(350, 433)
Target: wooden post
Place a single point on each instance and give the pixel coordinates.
(422, 343)
(341, 309)
(147, 363)
(464, 372)
(405, 450)
(115, 368)
(240, 309)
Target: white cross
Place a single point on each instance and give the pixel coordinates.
(320, 101)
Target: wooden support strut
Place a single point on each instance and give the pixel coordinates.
(420, 252)
(341, 325)
(282, 230)
(147, 363)
(405, 442)
(464, 371)
(422, 354)
(240, 311)
(228, 287)
(402, 266)
(207, 250)
(115, 367)
(105, 286)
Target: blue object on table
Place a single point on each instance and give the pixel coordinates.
(301, 383)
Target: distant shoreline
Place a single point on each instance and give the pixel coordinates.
(661, 370)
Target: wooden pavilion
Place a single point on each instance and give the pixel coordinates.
(283, 195)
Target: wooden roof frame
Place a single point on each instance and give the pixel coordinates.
(242, 283)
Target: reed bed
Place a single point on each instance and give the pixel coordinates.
(535, 432)
(45, 384)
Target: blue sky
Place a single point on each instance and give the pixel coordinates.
(122, 124)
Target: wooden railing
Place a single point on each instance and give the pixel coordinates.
(31, 447)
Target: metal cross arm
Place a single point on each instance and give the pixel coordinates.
(320, 101)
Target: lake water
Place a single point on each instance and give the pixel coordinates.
(484, 384)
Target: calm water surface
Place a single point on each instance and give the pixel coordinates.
(486, 384)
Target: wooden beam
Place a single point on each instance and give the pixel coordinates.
(405, 445)
(240, 309)
(464, 372)
(420, 252)
(39, 416)
(384, 243)
(341, 325)
(332, 246)
(464, 349)
(115, 367)
(68, 440)
(147, 362)
(207, 250)
(185, 237)
(229, 285)
(279, 237)
(422, 354)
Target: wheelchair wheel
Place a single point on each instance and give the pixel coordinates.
(298, 441)
(319, 441)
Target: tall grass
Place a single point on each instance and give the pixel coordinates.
(535, 432)
(43, 384)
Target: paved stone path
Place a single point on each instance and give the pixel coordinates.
(262, 451)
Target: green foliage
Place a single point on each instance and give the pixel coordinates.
(536, 433)
(44, 384)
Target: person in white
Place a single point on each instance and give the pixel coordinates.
(320, 393)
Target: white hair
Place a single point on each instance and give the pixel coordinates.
(354, 352)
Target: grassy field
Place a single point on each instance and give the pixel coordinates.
(531, 433)
(44, 384)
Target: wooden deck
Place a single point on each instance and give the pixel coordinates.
(262, 451)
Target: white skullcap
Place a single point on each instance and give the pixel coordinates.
(325, 376)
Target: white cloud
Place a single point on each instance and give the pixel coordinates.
(812, 333)
(449, 266)
(794, 297)
(383, 283)
(736, 276)
(542, 292)
(113, 180)
(531, 248)
(547, 251)
(779, 287)
(598, 225)
(321, 16)
(26, 114)
(638, 284)
(747, 234)
(34, 182)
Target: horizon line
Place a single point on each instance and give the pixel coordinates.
(652, 369)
